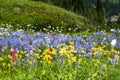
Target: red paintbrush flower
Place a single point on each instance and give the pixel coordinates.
(14, 57)
(93, 56)
(86, 49)
(38, 47)
(51, 51)
(1, 66)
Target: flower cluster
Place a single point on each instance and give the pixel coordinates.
(23, 48)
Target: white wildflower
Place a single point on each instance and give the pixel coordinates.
(113, 42)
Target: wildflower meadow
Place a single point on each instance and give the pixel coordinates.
(31, 55)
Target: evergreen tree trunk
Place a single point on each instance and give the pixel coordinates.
(73, 3)
(100, 12)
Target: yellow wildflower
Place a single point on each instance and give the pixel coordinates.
(30, 62)
(1, 58)
(11, 50)
(94, 75)
(9, 56)
(80, 60)
(75, 71)
(53, 51)
(104, 46)
(4, 64)
(47, 57)
(20, 56)
(61, 45)
(68, 56)
(67, 47)
(69, 61)
(83, 49)
(72, 49)
(22, 52)
(98, 61)
(33, 49)
(46, 51)
(94, 48)
(95, 53)
(100, 49)
(71, 43)
(96, 64)
(50, 57)
(109, 59)
(41, 61)
(26, 54)
(9, 65)
(62, 51)
(5, 47)
(74, 59)
(39, 50)
(49, 62)
(37, 56)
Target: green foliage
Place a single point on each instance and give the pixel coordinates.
(39, 15)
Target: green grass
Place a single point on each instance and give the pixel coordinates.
(39, 15)
(114, 74)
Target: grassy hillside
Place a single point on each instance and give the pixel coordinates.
(38, 15)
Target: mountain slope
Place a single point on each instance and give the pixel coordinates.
(39, 15)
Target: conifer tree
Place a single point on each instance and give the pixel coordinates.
(118, 21)
(100, 12)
